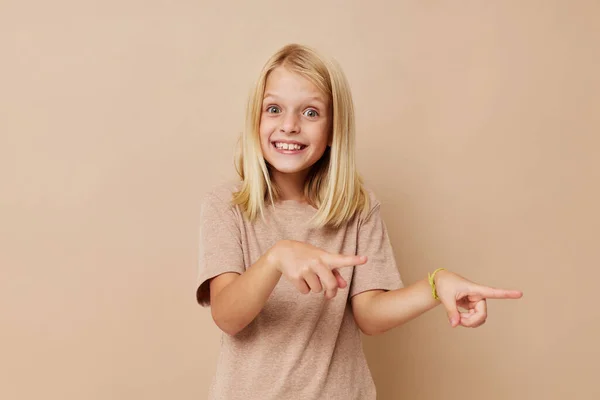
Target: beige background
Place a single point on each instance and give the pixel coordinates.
(478, 127)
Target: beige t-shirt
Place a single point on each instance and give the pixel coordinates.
(299, 346)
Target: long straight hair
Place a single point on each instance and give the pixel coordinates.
(333, 184)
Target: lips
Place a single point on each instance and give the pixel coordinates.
(288, 142)
(288, 147)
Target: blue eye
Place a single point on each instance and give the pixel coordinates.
(311, 113)
(273, 110)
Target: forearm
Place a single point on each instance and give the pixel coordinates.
(386, 310)
(238, 303)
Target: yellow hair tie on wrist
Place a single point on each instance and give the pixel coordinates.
(431, 277)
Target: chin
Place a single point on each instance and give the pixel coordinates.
(288, 169)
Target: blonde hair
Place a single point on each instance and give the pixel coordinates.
(333, 185)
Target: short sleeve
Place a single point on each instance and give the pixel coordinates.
(220, 244)
(380, 271)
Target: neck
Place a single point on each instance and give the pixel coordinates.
(291, 186)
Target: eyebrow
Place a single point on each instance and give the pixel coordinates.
(311, 98)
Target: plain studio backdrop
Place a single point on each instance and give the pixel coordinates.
(478, 126)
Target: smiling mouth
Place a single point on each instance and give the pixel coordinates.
(288, 148)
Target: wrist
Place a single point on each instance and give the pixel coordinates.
(434, 279)
(439, 274)
(272, 257)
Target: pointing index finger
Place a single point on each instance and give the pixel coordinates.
(342, 261)
(496, 293)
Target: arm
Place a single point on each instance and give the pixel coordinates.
(237, 299)
(377, 311)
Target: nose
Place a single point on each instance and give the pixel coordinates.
(290, 123)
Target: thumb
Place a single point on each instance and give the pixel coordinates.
(452, 310)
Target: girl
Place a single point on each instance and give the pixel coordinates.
(295, 259)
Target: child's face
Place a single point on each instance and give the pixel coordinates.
(294, 123)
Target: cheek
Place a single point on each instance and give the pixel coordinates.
(321, 135)
(263, 136)
(265, 128)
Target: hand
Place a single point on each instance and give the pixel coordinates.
(310, 268)
(455, 291)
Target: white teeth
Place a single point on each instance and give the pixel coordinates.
(287, 146)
